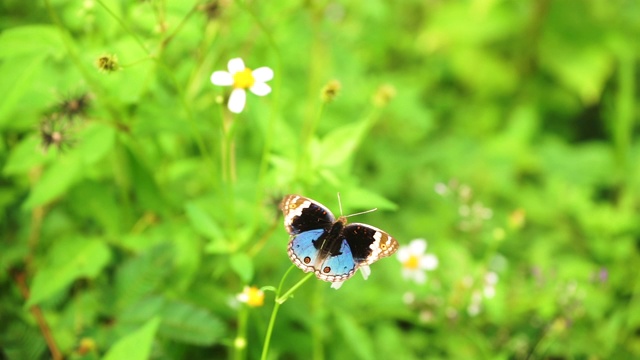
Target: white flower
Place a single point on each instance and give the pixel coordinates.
(415, 262)
(490, 281)
(242, 78)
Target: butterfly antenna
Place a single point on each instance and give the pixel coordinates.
(350, 215)
(362, 212)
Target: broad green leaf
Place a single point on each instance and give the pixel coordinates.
(190, 324)
(25, 156)
(219, 246)
(96, 141)
(363, 199)
(143, 275)
(354, 335)
(243, 266)
(188, 257)
(55, 181)
(18, 76)
(32, 40)
(340, 144)
(202, 221)
(68, 260)
(135, 346)
(144, 183)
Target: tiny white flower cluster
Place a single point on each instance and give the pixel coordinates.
(472, 213)
(488, 291)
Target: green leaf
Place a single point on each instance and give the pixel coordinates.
(243, 266)
(97, 140)
(359, 198)
(25, 156)
(144, 183)
(56, 180)
(340, 144)
(187, 258)
(190, 324)
(31, 40)
(68, 260)
(202, 221)
(355, 335)
(18, 77)
(137, 345)
(144, 274)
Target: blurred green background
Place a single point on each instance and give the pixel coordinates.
(135, 207)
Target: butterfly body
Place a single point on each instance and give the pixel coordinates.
(330, 247)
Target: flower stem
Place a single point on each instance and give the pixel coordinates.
(279, 300)
(229, 172)
(295, 287)
(240, 343)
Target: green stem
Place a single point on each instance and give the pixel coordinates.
(624, 111)
(318, 324)
(240, 343)
(279, 300)
(228, 172)
(295, 287)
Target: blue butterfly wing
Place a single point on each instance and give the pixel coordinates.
(306, 252)
(338, 267)
(330, 248)
(302, 250)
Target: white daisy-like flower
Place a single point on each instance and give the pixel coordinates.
(242, 78)
(415, 261)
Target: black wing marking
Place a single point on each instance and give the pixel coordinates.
(302, 214)
(367, 243)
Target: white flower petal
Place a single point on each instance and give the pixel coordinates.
(428, 262)
(235, 65)
(336, 285)
(491, 278)
(403, 254)
(260, 89)
(366, 271)
(237, 100)
(221, 78)
(419, 276)
(418, 246)
(489, 292)
(407, 273)
(262, 74)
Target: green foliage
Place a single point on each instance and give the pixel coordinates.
(136, 345)
(140, 217)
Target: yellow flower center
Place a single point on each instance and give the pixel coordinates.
(412, 262)
(255, 297)
(243, 79)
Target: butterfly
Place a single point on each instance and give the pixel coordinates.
(331, 248)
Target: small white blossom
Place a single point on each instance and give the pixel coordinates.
(415, 261)
(242, 78)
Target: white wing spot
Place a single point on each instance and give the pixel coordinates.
(294, 211)
(375, 246)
